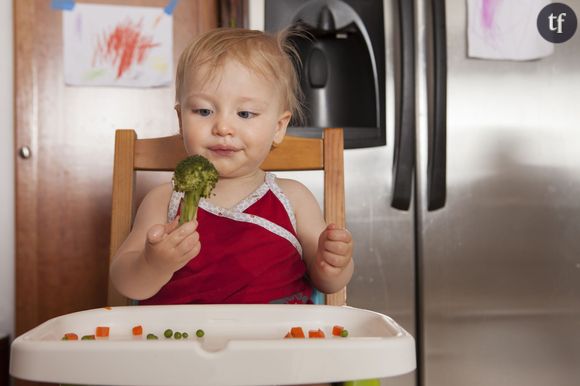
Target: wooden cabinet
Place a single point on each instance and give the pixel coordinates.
(63, 187)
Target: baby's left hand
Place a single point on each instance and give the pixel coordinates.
(334, 249)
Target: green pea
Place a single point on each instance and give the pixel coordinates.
(344, 333)
(168, 333)
(88, 337)
(152, 336)
(199, 333)
(185, 335)
(177, 335)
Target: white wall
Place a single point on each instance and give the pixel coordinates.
(6, 170)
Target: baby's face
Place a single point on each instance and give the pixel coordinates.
(232, 118)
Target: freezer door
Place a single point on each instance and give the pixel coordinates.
(500, 263)
(384, 253)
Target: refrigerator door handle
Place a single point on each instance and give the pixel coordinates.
(404, 152)
(437, 162)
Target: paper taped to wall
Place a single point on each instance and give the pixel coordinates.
(506, 30)
(110, 45)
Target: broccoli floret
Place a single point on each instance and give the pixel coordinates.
(196, 177)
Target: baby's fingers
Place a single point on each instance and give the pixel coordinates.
(338, 260)
(332, 265)
(155, 233)
(337, 247)
(187, 249)
(189, 246)
(335, 233)
(178, 234)
(170, 227)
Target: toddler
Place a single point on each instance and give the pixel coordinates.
(258, 238)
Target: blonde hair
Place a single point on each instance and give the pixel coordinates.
(271, 56)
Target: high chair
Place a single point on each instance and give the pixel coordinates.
(163, 154)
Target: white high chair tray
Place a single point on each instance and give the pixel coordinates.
(242, 345)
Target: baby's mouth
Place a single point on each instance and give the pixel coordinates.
(223, 150)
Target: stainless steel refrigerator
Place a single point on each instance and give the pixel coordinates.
(481, 263)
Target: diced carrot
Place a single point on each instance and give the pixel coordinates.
(316, 334)
(337, 330)
(71, 336)
(138, 330)
(297, 332)
(102, 332)
(288, 335)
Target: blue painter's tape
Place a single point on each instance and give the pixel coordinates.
(63, 5)
(170, 7)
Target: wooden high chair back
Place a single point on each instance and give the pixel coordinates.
(164, 153)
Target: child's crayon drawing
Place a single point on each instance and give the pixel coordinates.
(505, 30)
(117, 46)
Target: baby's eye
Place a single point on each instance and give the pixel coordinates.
(202, 112)
(246, 114)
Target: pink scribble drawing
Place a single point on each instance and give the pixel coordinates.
(488, 10)
(123, 47)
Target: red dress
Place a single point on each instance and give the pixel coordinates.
(249, 254)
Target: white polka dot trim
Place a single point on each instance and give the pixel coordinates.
(253, 219)
(275, 188)
(251, 199)
(174, 202)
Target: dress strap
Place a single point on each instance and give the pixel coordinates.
(251, 199)
(252, 219)
(174, 202)
(275, 188)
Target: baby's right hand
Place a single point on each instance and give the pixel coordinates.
(170, 246)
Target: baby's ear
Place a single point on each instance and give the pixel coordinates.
(281, 125)
(177, 108)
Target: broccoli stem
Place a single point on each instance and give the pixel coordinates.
(189, 207)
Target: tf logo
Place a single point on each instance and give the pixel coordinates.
(557, 22)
